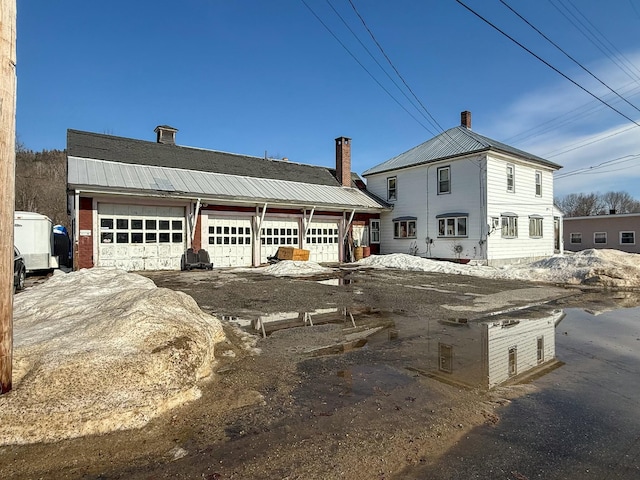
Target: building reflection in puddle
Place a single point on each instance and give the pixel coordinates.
(492, 352)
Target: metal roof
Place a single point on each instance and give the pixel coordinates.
(103, 175)
(141, 152)
(455, 142)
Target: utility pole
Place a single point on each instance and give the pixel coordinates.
(7, 184)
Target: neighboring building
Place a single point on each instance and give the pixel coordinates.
(139, 205)
(465, 197)
(618, 231)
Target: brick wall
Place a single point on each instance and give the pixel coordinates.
(84, 256)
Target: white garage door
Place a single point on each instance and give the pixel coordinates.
(134, 237)
(229, 241)
(277, 233)
(323, 241)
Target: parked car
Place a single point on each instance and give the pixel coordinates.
(19, 270)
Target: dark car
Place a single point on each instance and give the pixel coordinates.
(19, 270)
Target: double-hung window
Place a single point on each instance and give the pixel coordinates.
(509, 223)
(575, 238)
(444, 180)
(535, 226)
(392, 190)
(452, 225)
(374, 231)
(404, 227)
(600, 237)
(538, 184)
(511, 179)
(627, 238)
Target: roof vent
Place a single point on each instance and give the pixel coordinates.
(166, 134)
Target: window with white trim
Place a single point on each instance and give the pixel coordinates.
(600, 237)
(509, 226)
(540, 349)
(575, 238)
(452, 226)
(627, 238)
(538, 184)
(511, 181)
(535, 226)
(444, 180)
(374, 231)
(392, 190)
(404, 228)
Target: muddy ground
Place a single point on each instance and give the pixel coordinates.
(317, 402)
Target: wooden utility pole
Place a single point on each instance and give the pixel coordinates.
(7, 184)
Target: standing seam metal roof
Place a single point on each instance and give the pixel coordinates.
(455, 142)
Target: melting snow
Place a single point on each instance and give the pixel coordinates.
(294, 268)
(605, 267)
(100, 350)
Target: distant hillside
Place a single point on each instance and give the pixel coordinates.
(41, 183)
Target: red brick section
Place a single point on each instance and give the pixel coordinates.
(84, 254)
(343, 161)
(465, 119)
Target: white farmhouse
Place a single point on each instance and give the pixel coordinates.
(466, 197)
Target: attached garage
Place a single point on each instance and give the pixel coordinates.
(135, 237)
(229, 241)
(323, 241)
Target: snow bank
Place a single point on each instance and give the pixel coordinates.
(605, 267)
(101, 350)
(293, 268)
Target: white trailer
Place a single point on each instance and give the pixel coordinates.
(33, 235)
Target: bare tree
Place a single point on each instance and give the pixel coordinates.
(586, 204)
(581, 204)
(620, 202)
(41, 183)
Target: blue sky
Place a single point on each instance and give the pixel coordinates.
(255, 76)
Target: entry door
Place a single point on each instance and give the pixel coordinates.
(229, 241)
(323, 241)
(134, 237)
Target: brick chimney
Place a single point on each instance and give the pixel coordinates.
(465, 119)
(166, 134)
(343, 161)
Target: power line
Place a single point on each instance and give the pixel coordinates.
(618, 160)
(545, 62)
(568, 56)
(363, 67)
(379, 65)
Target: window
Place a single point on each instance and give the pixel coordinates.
(513, 361)
(445, 352)
(535, 226)
(575, 238)
(600, 237)
(540, 349)
(627, 238)
(374, 231)
(392, 191)
(509, 225)
(444, 180)
(538, 184)
(511, 186)
(140, 230)
(452, 225)
(404, 227)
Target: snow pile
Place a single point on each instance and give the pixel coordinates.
(611, 268)
(101, 350)
(293, 268)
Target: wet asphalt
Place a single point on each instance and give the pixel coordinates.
(584, 422)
